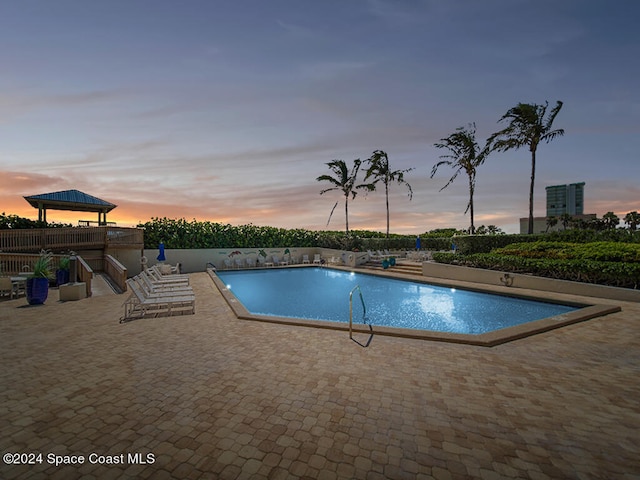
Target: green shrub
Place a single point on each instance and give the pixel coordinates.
(617, 274)
(599, 251)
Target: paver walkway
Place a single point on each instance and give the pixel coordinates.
(211, 396)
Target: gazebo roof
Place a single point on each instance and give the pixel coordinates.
(70, 200)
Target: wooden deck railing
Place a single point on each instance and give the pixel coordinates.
(116, 271)
(22, 263)
(17, 263)
(73, 238)
(85, 274)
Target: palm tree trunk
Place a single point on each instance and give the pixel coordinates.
(533, 178)
(386, 192)
(346, 212)
(473, 228)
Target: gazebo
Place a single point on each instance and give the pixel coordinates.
(73, 200)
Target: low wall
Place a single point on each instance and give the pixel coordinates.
(196, 259)
(516, 280)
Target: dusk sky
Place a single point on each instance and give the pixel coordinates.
(228, 110)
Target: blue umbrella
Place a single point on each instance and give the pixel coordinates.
(418, 243)
(161, 257)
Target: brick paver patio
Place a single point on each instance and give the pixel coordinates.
(211, 396)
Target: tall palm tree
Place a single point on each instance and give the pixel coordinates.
(528, 126)
(380, 171)
(344, 180)
(465, 154)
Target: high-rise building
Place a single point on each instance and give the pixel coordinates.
(563, 199)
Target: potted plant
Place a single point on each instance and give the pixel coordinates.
(62, 273)
(38, 281)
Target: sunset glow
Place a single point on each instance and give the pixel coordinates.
(228, 112)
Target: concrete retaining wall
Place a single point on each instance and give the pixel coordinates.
(196, 259)
(516, 280)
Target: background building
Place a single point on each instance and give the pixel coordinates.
(563, 199)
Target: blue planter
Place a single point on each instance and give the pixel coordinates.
(37, 290)
(385, 264)
(392, 261)
(62, 277)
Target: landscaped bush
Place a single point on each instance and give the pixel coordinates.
(613, 273)
(599, 251)
(180, 233)
(8, 222)
(468, 244)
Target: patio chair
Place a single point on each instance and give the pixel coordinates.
(6, 287)
(316, 259)
(305, 259)
(239, 263)
(276, 260)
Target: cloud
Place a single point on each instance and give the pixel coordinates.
(18, 103)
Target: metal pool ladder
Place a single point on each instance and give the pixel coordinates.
(364, 317)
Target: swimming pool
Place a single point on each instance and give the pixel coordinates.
(323, 294)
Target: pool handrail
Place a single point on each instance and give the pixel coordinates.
(364, 316)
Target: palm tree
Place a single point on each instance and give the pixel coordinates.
(566, 219)
(633, 220)
(528, 127)
(611, 220)
(380, 171)
(551, 222)
(344, 180)
(465, 155)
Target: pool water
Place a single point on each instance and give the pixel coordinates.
(323, 294)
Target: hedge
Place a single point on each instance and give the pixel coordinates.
(616, 274)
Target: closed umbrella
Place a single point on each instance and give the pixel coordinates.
(418, 246)
(161, 257)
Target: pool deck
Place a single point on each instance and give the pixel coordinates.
(212, 396)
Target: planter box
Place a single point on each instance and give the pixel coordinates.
(73, 291)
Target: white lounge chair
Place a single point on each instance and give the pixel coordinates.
(140, 305)
(166, 279)
(305, 259)
(239, 263)
(316, 259)
(150, 287)
(276, 260)
(374, 256)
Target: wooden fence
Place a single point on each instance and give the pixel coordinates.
(72, 238)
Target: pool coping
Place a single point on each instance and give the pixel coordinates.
(489, 339)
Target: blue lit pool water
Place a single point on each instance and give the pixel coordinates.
(323, 294)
